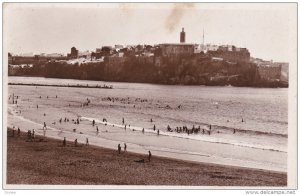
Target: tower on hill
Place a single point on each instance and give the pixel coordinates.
(182, 36)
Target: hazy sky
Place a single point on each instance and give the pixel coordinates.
(267, 30)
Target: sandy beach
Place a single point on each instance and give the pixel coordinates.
(46, 161)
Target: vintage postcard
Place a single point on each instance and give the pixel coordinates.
(150, 95)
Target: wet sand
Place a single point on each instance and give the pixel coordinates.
(48, 162)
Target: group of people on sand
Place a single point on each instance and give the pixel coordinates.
(125, 149)
(30, 134)
(18, 131)
(75, 142)
(119, 148)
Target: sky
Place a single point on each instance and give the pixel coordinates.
(268, 30)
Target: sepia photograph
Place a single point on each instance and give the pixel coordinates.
(149, 96)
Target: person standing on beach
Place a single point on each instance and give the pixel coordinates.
(97, 129)
(19, 132)
(123, 121)
(87, 142)
(157, 131)
(33, 133)
(93, 122)
(143, 130)
(125, 147)
(76, 142)
(45, 127)
(154, 128)
(64, 142)
(29, 135)
(149, 156)
(119, 148)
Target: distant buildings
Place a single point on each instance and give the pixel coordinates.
(116, 55)
(74, 53)
(177, 49)
(54, 55)
(181, 49)
(231, 53)
(270, 70)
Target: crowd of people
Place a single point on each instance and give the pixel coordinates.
(193, 130)
(178, 129)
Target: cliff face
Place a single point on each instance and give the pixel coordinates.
(195, 70)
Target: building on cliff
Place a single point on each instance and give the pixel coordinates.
(231, 53)
(181, 49)
(269, 72)
(177, 49)
(74, 53)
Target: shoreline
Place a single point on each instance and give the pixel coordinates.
(76, 86)
(48, 162)
(168, 84)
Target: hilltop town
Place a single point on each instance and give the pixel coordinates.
(166, 63)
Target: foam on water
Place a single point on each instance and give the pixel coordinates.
(194, 137)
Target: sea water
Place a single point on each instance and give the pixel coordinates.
(258, 116)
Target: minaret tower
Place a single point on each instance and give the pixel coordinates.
(182, 36)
